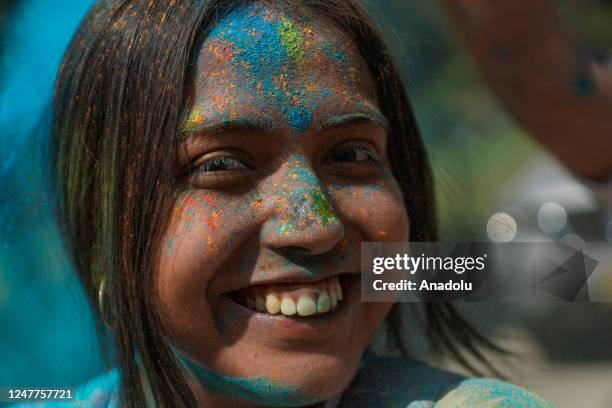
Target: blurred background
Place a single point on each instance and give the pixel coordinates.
(484, 164)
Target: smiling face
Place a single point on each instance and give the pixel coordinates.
(285, 174)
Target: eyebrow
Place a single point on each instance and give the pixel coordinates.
(356, 118)
(256, 125)
(250, 125)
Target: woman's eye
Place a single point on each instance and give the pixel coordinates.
(219, 172)
(221, 163)
(352, 155)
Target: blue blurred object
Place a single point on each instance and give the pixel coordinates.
(47, 334)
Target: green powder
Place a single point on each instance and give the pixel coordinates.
(192, 122)
(291, 39)
(322, 207)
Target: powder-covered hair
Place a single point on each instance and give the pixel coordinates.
(121, 96)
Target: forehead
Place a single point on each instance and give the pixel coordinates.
(287, 65)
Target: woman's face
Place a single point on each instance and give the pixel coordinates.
(285, 174)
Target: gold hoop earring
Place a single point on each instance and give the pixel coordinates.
(105, 313)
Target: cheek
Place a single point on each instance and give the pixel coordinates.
(192, 239)
(203, 230)
(376, 209)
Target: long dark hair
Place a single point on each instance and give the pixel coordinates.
(120, 99)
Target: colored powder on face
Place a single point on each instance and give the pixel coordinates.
(258, 390)
(322, 208)
(298, 117)
(213, 221)
(308, 201)
(291, 39)
(340, 57)
(170, 246)
(193, 121)
(284, 228)
(211, 245)
(265, 50)
(583, 85)
(207, 200)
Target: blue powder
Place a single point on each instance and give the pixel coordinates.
(302, 172)
(298, 117)
(258, 390)
(259, 54)
(170, 246)
(478, 391)
(583, 85)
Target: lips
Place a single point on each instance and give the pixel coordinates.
(292, 299)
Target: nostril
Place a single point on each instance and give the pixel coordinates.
(294, 252)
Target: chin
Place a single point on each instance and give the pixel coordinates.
(281, 379)
(280, 357)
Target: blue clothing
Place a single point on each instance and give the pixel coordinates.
(382, 382)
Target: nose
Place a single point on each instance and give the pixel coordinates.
(303, 219)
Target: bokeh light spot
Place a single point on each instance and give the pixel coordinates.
(552, 218)
(501, 227)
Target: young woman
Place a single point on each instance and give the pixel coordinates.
(219, 165)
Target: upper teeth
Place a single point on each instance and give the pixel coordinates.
(309, 300)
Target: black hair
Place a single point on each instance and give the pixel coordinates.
(120, 99)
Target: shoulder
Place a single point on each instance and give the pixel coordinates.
(100, 392)
(486, 392)
(395, 382)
